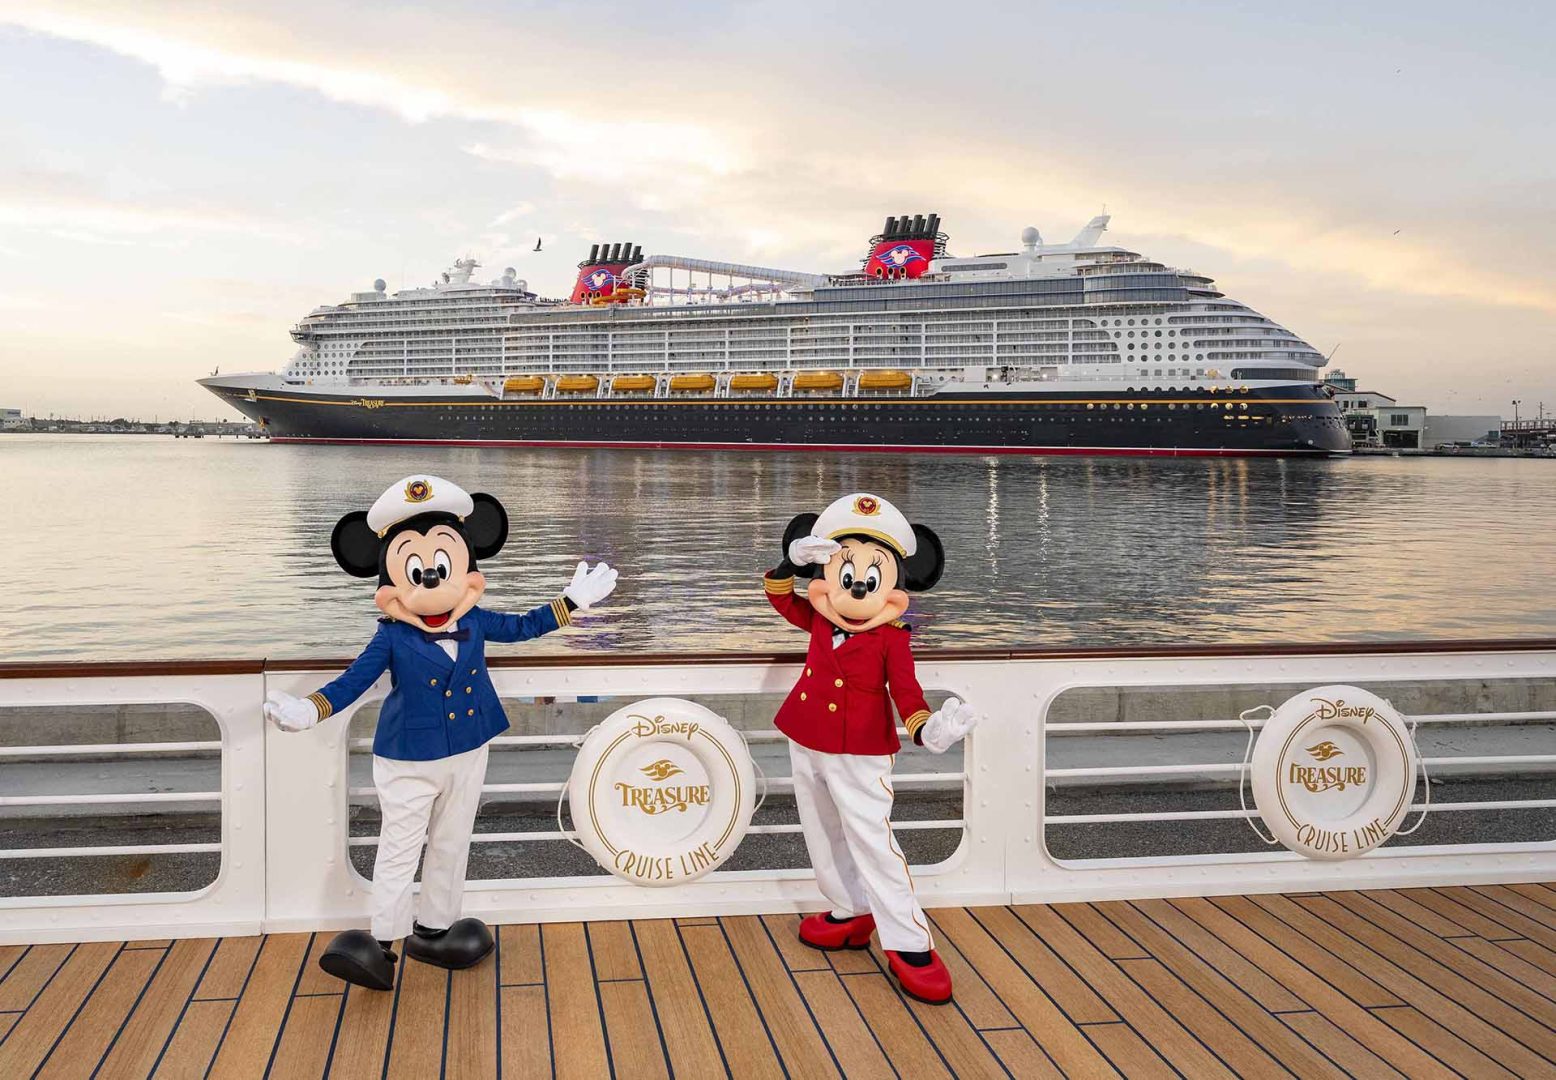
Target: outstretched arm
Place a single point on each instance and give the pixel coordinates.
(298, 714)
(587, 588)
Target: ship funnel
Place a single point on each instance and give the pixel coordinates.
(904, 247)
(600, 274)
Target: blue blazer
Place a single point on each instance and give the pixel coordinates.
(436, 707)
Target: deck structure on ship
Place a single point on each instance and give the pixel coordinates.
(1081, 943)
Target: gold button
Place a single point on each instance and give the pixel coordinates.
(802, 695)
(468, 690)
(469, 712)
(832, 707)
(807, 671)
(448, 693)
(837, 682)
(434, 682)
(451, 716)
(472, 671)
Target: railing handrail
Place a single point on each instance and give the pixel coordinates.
(55, 669)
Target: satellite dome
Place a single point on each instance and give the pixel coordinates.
(379, 285)
(1030, 235)
(509, 271)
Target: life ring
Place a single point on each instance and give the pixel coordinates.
(1334, 772)
(662, 792)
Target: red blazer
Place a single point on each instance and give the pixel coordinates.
(840, 704)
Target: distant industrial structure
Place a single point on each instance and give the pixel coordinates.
(12, 420)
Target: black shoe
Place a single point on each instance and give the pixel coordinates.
(355, 956)
(462, 945)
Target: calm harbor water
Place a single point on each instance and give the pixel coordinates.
(133, 547)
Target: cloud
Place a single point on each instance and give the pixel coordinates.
(761, 160)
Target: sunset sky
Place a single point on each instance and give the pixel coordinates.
(179, 183)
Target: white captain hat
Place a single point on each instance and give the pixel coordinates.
(418, 494)
(863, 514)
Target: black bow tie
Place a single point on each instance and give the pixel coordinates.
(448, 635)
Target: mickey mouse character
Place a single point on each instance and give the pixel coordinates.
(862, 557)
(422, 539)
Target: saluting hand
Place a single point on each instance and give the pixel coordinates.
(948, 726)
(590, 586)
(812, 550)
(290, 713)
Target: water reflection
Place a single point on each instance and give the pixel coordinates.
(157, 547)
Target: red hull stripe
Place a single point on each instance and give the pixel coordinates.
(835, 447)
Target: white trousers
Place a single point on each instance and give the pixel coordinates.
(432, 802)
(844, 802)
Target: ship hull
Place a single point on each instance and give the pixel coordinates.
(1298, 420)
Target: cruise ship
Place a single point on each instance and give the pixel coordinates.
(1078, 347)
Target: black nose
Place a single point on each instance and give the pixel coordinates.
(859, 590)
(431, 579)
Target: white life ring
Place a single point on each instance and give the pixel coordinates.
(662, 791)
(1334, 772)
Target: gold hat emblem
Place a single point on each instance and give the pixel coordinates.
(418, 491)
(662, 769)
(1325, 750)
(868, 505)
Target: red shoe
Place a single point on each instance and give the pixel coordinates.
(930, 984)
(820, 932)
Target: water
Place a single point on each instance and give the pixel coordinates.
(134, 547)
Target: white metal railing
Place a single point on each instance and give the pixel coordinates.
(285, 799)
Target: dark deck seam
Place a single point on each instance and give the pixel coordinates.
(179, 1021)
(134, 1005)
(821, 1032)
(65, 1030)
(734, 958)
(703, 998)
(286, 1014)
(653, 1006)
(599, 1002)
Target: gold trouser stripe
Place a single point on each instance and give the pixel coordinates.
(916, 721)
(559, 609)
(322, 703)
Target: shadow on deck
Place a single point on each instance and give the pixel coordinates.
(1418, 982)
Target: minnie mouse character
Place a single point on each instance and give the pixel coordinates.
(862, 557)
(422, 539)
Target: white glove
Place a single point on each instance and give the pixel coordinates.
(813, 550)
(588, 586)
(290, 713)
(948, 726)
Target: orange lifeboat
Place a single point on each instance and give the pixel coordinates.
(635, 384)
(524, 384)
(885, 380)
(754, 381)
(577, 384)
(691, 383)
(818, 380)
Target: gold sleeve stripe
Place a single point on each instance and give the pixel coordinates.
(559, 609)
(322, 703)
(778, 586)
(916, 721)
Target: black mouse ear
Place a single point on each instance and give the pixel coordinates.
(799, 527)
(486, 525)
(923, 568)
(355, 545)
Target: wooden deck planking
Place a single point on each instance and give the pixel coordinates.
(1383, 983)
